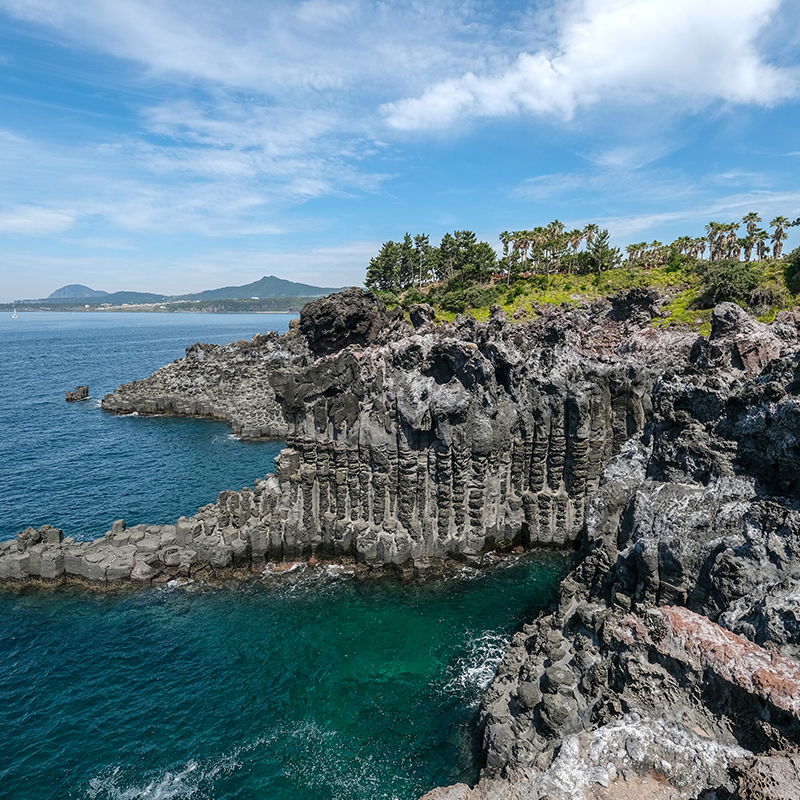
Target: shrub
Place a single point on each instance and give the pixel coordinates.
(454, 301)
(412, 296)
(481, 296)
(791, 271)
(767, 296)
(727, 279)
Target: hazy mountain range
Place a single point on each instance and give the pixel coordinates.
(267, 287)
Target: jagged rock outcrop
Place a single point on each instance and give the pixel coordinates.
(223, 382)
(411, 447)
(683, 609)
(672, 460)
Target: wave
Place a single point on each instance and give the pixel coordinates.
(184, 783)
(311, 756)
(193, 779)
(472, 673)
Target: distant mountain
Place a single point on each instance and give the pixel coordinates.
(266, 288)
(75, 290)
(114, 299)
(133, 297)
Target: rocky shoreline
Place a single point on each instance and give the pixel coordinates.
(669, 666)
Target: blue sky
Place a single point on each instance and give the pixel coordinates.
(180, 145)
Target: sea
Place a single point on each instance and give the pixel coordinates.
(306, 685)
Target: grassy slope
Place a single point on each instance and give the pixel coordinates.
(683, 285)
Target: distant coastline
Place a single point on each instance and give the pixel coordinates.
(277, 305)
(268, 295)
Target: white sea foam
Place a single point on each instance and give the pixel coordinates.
(178, 583)
(193, 779)
(319, 764)
(474, 672)
(184, 783)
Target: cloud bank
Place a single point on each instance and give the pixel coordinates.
(620, 52)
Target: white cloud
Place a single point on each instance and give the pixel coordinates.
(620, 51)
(272, 48)
(320, 12)
(36, 220)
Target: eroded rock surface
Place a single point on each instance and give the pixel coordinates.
(683, 608)
(669, 659)
(410, 447)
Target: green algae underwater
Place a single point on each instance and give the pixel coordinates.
(313, 688)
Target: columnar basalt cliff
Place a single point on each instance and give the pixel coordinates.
(410, 446)
(668, 666)
(405, 446)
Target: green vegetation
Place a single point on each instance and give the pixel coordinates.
(550, 265)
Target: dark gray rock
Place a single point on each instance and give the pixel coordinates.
(772, 776)
(353, 316)
(421, 314)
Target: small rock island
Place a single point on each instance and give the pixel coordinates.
(80, 393)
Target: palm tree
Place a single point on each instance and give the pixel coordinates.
(574, 238)
(728, 238)
(538, 245)
(748, 243)
(751, 220)
(761, 237)
(699, 247)
(779, 223)
(590, 232)
(713, 232)
(522, 242)
(682, 244)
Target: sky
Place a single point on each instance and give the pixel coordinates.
(173, 146)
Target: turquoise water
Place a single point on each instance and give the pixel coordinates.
(314, 690)
(309, 687)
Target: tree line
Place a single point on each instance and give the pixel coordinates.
(721, 241)
(461, 261)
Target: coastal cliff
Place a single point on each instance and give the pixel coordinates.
(669, 460)
(669, 667)
(409, 446)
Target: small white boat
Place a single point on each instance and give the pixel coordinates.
(15, 315)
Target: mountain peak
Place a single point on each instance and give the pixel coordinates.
(75, 290)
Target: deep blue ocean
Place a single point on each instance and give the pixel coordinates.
(308, 687)
(78, 468)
